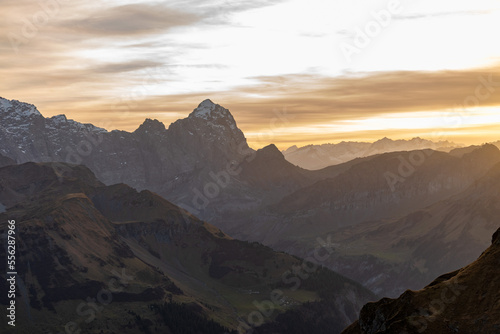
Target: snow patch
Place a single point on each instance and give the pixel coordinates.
(204, 110)
(210, 111)
(20, 109)
(4, 104)
(59, 119)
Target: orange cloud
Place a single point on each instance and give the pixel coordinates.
(299, 103)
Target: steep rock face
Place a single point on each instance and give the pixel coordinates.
(27, 136)
(214, 123)
(464, 301)
(207, 138)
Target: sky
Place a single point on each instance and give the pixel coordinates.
(292, 72)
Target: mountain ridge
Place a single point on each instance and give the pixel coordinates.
(465, 300)
(74, 232)
(316, 157)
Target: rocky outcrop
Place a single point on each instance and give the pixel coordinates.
(464, 301)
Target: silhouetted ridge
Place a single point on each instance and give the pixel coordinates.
(270, 151)
(463, 301)
(151, 125)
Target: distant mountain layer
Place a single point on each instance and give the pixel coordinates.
(365, 216)
(108, 258)
(410, 250)
(463, 301)
(315, 157)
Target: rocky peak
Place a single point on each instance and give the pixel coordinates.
(151, 126)
(59, 119)
(210, 121)
(16, 109)
(213, 115)
(209, 111)
(270, 151)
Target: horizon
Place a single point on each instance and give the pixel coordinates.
(281, 148)
(291, 73)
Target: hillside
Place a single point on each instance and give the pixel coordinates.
(463, 301)
(75, 235)
(414, 249)
(370, 224)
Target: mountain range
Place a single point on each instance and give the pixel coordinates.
(315, 157)
(353, 206)
(203, 164)
(91, 256)
(395, 216)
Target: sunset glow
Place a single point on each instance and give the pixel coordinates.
(291, 71)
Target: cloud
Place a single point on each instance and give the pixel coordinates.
(91, 54)
(124, 67)
(303, 102)
(371, 94)
(130, 20)
(289, 109)
(311, 100)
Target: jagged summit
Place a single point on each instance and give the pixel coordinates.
(151, 125)
(206, 102)
(271, 151)
(209, 110)
(17, 108)
(59, 118)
